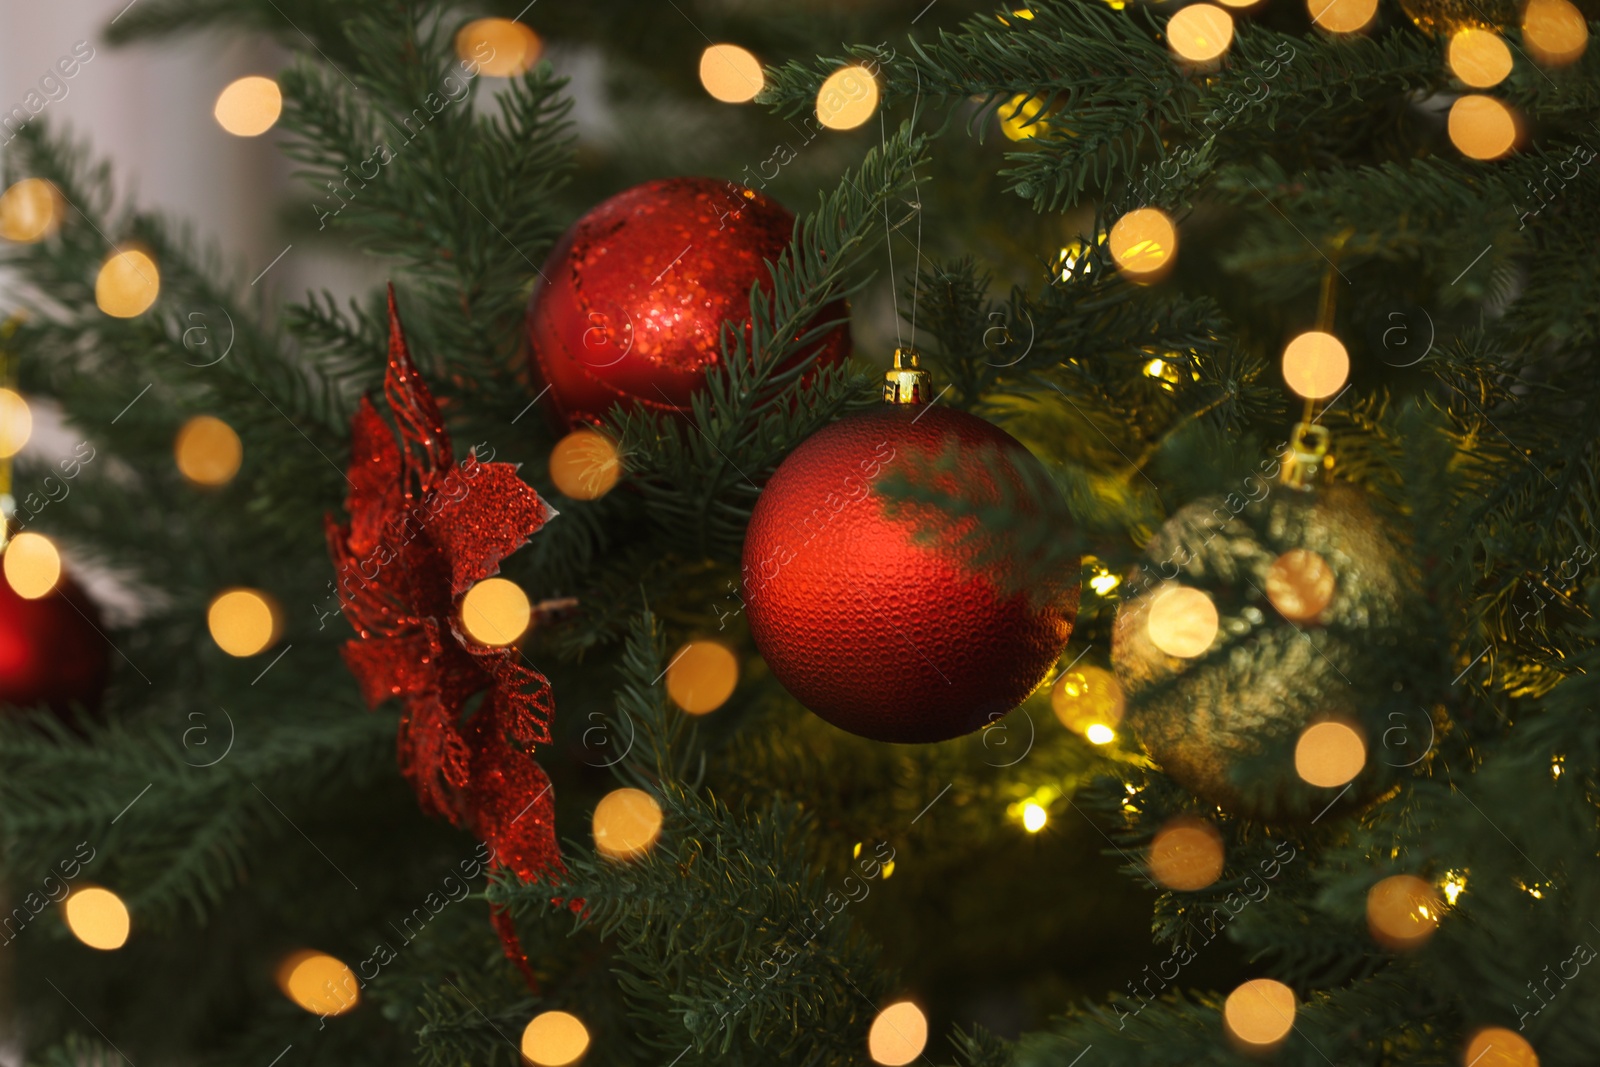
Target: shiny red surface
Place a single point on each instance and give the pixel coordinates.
(50, 650)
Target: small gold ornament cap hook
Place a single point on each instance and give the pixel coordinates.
(906, 382)
(1308, 454)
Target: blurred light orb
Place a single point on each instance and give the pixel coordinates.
(1403, 911)
(128, 283)
(1186, 854)
(1300, 585)
(731, 74)
(249, 106)
(318, 983)
(97, 917)
(1034, 816)
(32, 565)
(898, 1035)
(1182, 621)
(1144, 240)
(627, 823)
(554, 1039)
(1495, 1046)
(1022, 117)
(30, 210)
(848, 98)
(1088, 697)
(1098, 733)
(496, 612)
(585, 465)
(1260, 1012)
(1554, 32)
(1329, 754)
(1481, 127)
(207, 451)
(242, 622)
(1200, 33)
(1342, 16)
(1316, 365)
(16, 423)
(502, 48)
(702, 676)
(1479, 57)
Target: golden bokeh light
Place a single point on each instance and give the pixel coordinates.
(1088, 700)
(702, 676)
(1481, 127)
(1495, 1046)
(242, 622)
(1239, 4)
(1144, 241)
(627, 823)
(1182, 621)
(97, 917)
(1022, 117)
(318, 983)
(1316, 365)
(1259, 1012)
(554, 1039)
(32, 565)
(502, 48)
(731, 74)
(1300, 584)
(1200, 33)
(1329, 754)
(207, 450)
(847, 99)
(16, 423)
(496, 612)
(128, 283)
(30, 210)
(898, 1035)
(249, 107)
(1403, 911)
(585, 465)
(1186, 854)
(1478, 57)
(1034, 816)
(1342, 16)
(1554, 32)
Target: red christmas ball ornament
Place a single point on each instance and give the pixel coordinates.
(635, 294)
(51, 650)
(890, 627)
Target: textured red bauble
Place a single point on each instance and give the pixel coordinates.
(51, 651)
(883, 633)
(634, 296)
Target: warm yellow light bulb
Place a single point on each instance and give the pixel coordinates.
(128, 283)
(1495, 1046)
(1481, 127)
(1143, 242)
(1186, 854)
(1329, 754)
(496, 612)
(731, 74)
(249, 106)
(1200, 33)
(30, 210)
(502, 48)
(1098, 733)
(1260, 1012)
(16, 423)
(1023, 117)
(1478, 57)
(848, 98)
(627, 823)
(1182, 621)
(242, 622)
(585, 465)
(97, 917)
(318, 983)
(554, 1039)
(702, 676)
(1554, 32)
(1034, 816)
(1316, 365)
(32, 565)
(1403, 911)
(207, 451)
(1342, 16)
(898, 1035)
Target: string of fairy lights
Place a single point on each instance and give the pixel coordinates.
(1187, 854)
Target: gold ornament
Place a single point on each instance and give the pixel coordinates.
(1306, 589)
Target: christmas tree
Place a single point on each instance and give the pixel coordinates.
(1106, 582)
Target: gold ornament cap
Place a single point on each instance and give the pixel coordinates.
(1308, 455)
(906, 382)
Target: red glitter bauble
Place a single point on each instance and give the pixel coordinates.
(51, 651)
(882, 632)
(635, 294)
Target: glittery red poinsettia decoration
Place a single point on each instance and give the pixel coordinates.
(423, 529)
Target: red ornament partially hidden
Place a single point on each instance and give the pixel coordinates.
(635, 294)
(423, 529)
(51, 649)
(882, 632)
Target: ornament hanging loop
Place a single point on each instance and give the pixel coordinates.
(906, 382)
(1308, 455)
